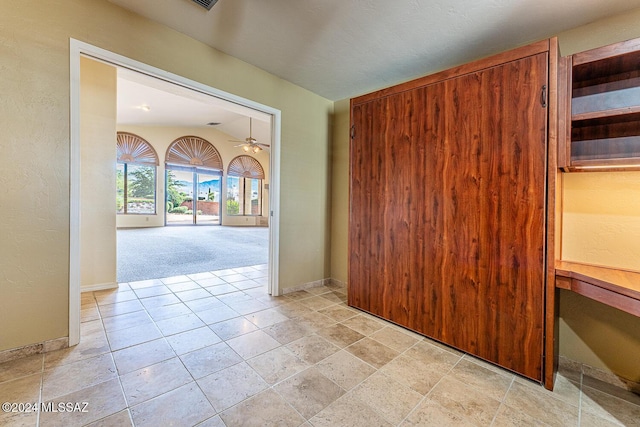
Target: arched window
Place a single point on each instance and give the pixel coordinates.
(195, 152)
(244, 186)
(136, 165)
(193, 182)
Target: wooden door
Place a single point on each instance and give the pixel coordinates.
(447, 212)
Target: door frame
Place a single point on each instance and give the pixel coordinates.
(78, 49)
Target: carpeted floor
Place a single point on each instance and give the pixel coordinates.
(153, 253)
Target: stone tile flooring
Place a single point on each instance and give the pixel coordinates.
(214, 349)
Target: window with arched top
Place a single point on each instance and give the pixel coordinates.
(244, 186)
(193, 182)
(136, 165)
(195, 152)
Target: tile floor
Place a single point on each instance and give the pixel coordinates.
(214, 349)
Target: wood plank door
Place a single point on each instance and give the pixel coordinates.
(447, 213)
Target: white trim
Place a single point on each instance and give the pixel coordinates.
(77, 49)
(274, 207)
(74, 196)
(98, 287)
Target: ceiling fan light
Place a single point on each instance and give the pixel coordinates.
(256, 149)
(246, 148)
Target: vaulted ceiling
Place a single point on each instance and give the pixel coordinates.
(342, 48)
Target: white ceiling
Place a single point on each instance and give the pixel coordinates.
(169, 104)
(343, 48)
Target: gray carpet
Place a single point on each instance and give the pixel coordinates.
(153, 253)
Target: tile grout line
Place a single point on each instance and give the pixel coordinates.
(580, 397)
(314, 332)
(40, 391)
(272, 386)
(178, 356)
(503, 400)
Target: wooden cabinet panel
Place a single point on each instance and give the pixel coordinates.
(387, 205)
(447, 211)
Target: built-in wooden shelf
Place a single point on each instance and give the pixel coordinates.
(615, 287)
(602, 109)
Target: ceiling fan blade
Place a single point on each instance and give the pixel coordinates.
(249, 143)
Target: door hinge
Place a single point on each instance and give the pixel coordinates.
(543, 96)
(353, 131)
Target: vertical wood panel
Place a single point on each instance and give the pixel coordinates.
(518, 239)
(447, 221)
(555, 129)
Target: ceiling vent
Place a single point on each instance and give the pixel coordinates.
(207, 4)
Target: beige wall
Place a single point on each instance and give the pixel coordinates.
(160, 138)
(599, 336)
(340, 191)
(97, 182)
(34, 53)
(34, 175)
(601, 218)
(601, 224)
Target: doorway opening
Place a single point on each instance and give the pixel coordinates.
(201, 206)
(207, 184)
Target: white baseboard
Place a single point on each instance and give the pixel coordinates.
(98, 287)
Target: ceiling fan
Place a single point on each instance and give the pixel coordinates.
(250, 144)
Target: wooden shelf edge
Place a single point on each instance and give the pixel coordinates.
(618, 288)
(601, 168)
(606, 52)
(619, 164)
(600, 114)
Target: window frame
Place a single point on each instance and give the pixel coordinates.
(133, 150)
(245, 168)
(242, 183)
(126, 189)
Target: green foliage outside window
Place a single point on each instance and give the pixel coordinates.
(142, 181)
(135, 189)
(173, 194)
(233, 207)
(120, 189)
